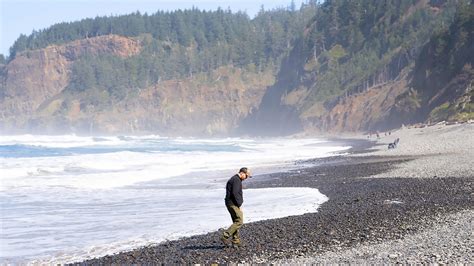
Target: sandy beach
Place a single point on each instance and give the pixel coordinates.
(412, 204)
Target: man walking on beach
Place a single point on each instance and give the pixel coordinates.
(233, 201)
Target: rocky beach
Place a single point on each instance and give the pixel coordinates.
(411, 204)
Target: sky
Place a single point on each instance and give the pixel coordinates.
(24, 16)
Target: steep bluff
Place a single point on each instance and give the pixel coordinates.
(34, 96)
(211, 104)
(356, 66)
(331, 84)
(34, 77)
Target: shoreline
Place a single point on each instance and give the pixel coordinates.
(364, 209)
(439, 152)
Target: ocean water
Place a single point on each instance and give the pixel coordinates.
(69, 198)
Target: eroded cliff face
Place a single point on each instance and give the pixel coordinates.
(424, 80)
(205, 105)
(373, 104)
(384, 103)
(368, 110)
(410, 84)
(34, 99)
(35, 77)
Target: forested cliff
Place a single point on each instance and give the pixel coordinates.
(338, 66)
(373, 65)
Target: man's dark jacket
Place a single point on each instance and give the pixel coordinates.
(233, 194)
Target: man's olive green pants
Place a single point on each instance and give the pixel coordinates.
(238, 221)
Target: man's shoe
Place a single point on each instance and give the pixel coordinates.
(236, 246)
(225, 240)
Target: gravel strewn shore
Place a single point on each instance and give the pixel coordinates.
(443, 151)
(437, 151)
(445, 239)
(363, 216)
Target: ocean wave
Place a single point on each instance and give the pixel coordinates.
(102, 167)
(159, 214)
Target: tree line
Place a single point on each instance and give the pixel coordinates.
(184, 27)
(175, 44)
(349, 41)
(340, 43)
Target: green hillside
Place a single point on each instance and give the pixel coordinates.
(337, 66)
(444, 70)
(352, 47)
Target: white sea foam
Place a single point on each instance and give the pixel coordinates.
(117, 220)
(67, 198)
(124, 168)
(61, 141)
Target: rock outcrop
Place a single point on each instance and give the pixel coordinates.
(34, 99)
(37, 76)
(206, 105)
(416, 82)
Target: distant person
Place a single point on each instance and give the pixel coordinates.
(233, 201)
(394, 144)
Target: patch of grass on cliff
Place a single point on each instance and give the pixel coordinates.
(463, 116)
(440, 113)
(466, 113)
(450, 112)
